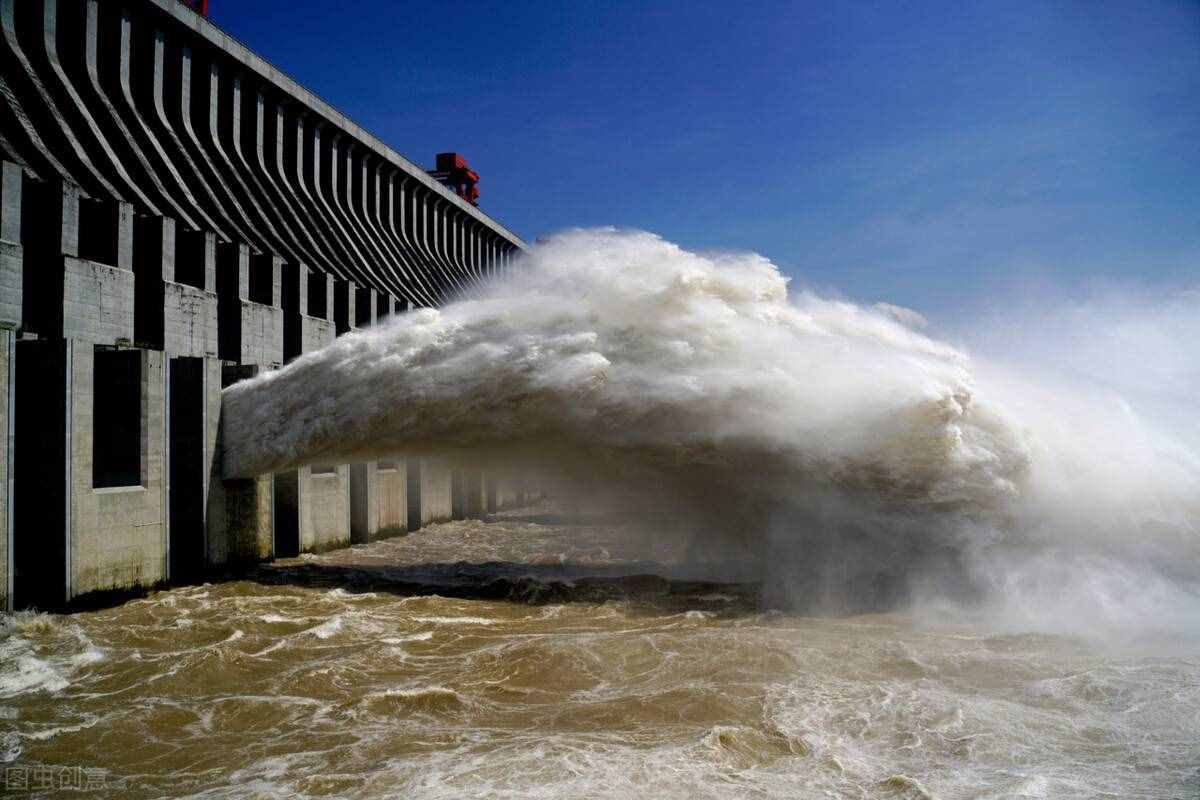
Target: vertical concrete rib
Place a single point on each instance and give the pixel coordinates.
(46, 113)
(404, 217)
(22, 140)
(264, 137)
(112, 34)
(373, 181)
(420, 228)
(437, 231)
(243, 128)
(222, 121)
(343, 150)
(211, 208)
(317, 177)
(114, 128)
(356, 184)
(274, 129)
(465, 244)
(292, 160)
(305, 166)
(335, 190)
(426, 228)
(177, 196)
(473, 238)
(418, 289)
(445, 220)
(477, 249)
(229, 203)
(455, 245)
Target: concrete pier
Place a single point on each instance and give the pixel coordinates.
(430, 492)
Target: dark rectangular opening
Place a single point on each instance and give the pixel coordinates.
(413, 487)
(362, 307)
(318, 295)
(188, 472)
(324, 469)
(42, 268)
(229, 304)
(294, 301)
(387, 466)
(191, 258)
(99, 229)
(149, 240)
(291, 296)
(286, 508)
(262, 279)
(39, 472)
(343, 302)
(360, 498)
(116, 418)
(383, 307)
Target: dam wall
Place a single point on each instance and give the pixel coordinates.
(176, 214)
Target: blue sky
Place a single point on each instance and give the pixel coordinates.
(929, 154)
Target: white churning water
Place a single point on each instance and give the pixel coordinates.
(848, 452)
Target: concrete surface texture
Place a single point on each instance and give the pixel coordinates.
(175, 215)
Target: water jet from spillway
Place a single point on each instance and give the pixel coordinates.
(617, 357)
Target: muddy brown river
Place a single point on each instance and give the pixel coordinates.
(527, 657)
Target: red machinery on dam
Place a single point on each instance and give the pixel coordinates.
(176, 214)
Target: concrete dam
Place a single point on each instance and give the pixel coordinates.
(176, 214)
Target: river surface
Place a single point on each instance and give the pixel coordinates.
(526, 657)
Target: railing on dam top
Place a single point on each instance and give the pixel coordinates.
(148, 103)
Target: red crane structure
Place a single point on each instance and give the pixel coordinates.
(452, 170)
(199, 6)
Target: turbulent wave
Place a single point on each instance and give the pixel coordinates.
(847, 451)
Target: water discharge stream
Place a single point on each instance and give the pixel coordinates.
(861, 463)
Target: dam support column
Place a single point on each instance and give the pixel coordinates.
(249, 299)
(313, 502)
(365, 496)
(242, 513)
(193, 419)
(468, 494)
(11, 299)
(504, 492)
(241, 518)
(391, 497)
(176, 293)
(476, 494)
(176, 311)
(8, 341)
(324, 507)
(429, 489)
(364, 503)
(94, 455)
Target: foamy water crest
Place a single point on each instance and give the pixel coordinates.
(850, 454)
